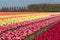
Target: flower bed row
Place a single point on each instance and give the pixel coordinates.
(21, 24)
(52, 33)
(5, 19)
(23, 32)
(19, 19)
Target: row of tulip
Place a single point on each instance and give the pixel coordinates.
(52, 33)
(19, 19)
(23, 32)
(8, 27)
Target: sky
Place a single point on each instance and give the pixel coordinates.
(10, 3)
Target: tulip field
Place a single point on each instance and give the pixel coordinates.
(29, 26)
(52, 33)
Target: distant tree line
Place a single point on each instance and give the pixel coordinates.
(33, 8)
